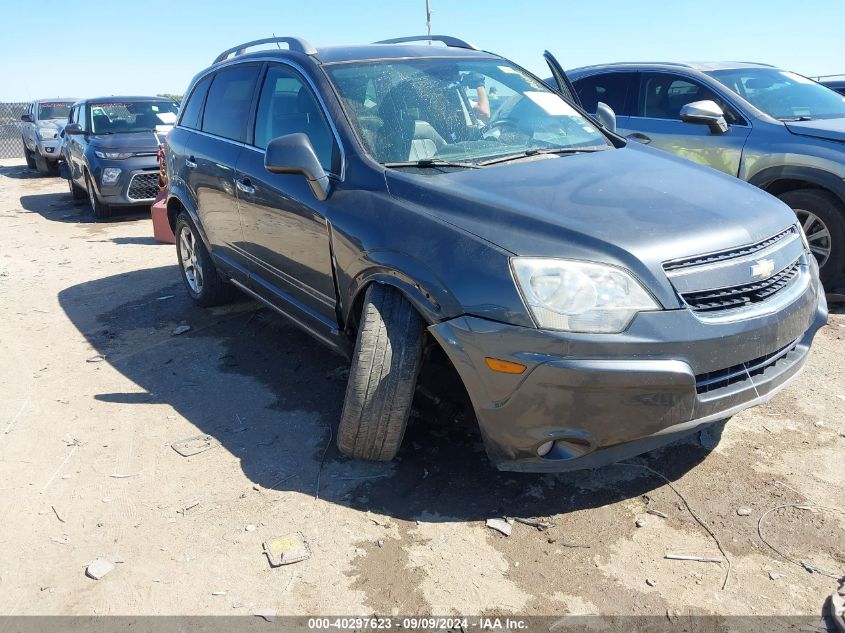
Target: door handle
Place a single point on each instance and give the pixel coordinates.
(190, 162)
(639, 138)
(245, 185)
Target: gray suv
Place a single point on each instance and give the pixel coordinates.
(400, 202)
(41, 129)
(770, 127)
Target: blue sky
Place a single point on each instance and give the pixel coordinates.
(85, 48)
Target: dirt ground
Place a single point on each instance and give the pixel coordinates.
(94, 388)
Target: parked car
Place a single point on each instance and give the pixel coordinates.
(41, 127)
(834, 82)
(770, 127)
(111, 148)
(598, 298)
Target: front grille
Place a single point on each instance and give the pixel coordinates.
(713, 380)
(733, 253)
(143, 186)
(743, 295)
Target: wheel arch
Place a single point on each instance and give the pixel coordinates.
(178, 201)
(779, 180)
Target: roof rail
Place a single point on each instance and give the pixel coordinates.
(294, 43)
(448, 40)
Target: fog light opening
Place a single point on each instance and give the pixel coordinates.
(545, 448)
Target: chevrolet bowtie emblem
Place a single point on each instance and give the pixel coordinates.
(763, 268)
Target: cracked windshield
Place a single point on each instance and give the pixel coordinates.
(469, 112)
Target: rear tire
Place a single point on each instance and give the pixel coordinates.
(203, 282)
(385, 366)
(823, 217)
(30, 161)
(100, 210)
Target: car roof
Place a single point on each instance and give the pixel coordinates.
(56, 100)
(700, 66)
(369, 52)
(115, 98)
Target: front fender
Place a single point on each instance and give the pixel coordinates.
(411, 276)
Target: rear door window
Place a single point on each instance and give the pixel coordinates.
(610, 88)
(228, 103)
(192, 112)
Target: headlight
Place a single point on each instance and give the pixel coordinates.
(47, 133)
(579, 296)
(112, 155)
(110, 175)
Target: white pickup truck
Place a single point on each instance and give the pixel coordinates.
(41, 128)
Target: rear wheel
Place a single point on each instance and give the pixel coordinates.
(823, 218)
(199, 274)
(99, 209)
(383, 376)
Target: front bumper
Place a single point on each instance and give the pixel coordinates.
(603, 398)
(125, 191)
(51, 149)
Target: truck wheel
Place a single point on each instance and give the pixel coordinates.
(41, 164)
(823, 219)
(382, 378)
(202, 281)
(99, 209)
(30, 161)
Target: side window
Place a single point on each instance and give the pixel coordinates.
(192, 112)
(286, 106)
(609, 88)
(228, 102)
(663, 95)
(82, 118)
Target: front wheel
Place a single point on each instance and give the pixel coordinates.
(199, 274)
(99, 209)
(383, 376)
(30, 161)
(823, 218)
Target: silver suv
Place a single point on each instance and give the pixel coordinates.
(773, 128)
(41, 129)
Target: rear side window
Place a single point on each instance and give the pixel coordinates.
(610, 88)
(192, 112)
(287, 106)
(229, 98)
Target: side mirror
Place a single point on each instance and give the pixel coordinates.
(74, 128)
(706, 113)
(606, 116)
(27, 118)
(294, 154)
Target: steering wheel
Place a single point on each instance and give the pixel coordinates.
(509, 131)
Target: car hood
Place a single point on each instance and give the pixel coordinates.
(830, 129)
(127, 141)
(56, 123)
(635, 206)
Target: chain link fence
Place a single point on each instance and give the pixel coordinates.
(10, 129)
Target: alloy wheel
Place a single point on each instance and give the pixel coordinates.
(818, 235)
(190, 259)
(92, 197)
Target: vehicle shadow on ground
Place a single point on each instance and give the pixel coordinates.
(60, 207)
(22, 172)
(272, 397)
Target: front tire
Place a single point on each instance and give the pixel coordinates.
(100, 210)
(30, 161)
(77, 192)
(199, 274)
(41, 164)
(383, 376)
(823, 217)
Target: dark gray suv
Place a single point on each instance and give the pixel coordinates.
(111, 150)
(597, 298)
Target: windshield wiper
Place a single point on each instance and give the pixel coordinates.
(431, 162)
(536, 151)
(794, 119)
